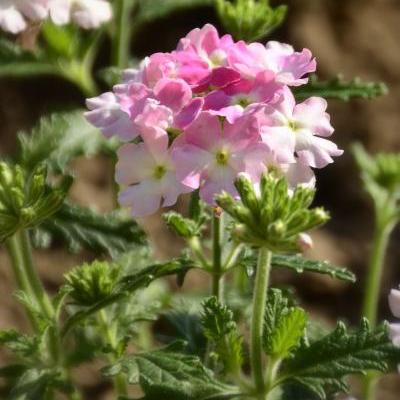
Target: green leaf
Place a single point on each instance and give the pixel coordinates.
(22, 345)
(61, 40)
(326, 362)
(220, 327)
(338, 88)
(168, 375)
(284, 326)
(301, 264)
(250, 20)
(59, 138)
(129, 284)
(82, 228)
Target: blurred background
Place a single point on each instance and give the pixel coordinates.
(353, 37)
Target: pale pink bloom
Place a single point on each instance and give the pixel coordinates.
(394, 302)
(107, 114)
(232, 100)
(88, 14)
(35, 10)
(305, 242)
(289, 66)
(207, 44)
(11, 19)
(147, 176)
(212, 153)
(287, 128)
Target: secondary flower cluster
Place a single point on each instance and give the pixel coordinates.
(88, 14)
(394, 303)
(197, 117)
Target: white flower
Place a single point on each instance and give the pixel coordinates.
(88, 14)
(11, 19)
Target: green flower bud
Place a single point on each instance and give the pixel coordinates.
(91, 283)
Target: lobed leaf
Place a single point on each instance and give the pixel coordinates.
(338, 88)
(82, 228)
(169, 375)
(325, 363)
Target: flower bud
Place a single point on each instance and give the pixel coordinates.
(305, 242)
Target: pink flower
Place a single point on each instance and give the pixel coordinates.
(207, 45)
(288, 128)
(146, 173)
(232, 100)
(107, 114)
(35, 10)
(11, 19)
(289, 66)
(212, 154)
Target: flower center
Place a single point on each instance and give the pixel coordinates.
(222, 157)
(293, 125)
(173, 133)
(242, 101)
(159, 172)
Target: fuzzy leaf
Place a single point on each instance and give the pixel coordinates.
(220, 327)
(284, 326)
(82, 228)
(169, 375)
(301, 264)
(326, 362)
(59, 138)
(338, 88)
(25, 346)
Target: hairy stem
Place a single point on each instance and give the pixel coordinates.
(257, 321)
(217, 272)
(109, 332)
(122, 32)
(372, 290)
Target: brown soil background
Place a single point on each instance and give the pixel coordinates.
(353, 37)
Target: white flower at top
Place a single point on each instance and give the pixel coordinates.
(88, 14)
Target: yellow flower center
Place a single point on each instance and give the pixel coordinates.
(159, 172)
(222, 157)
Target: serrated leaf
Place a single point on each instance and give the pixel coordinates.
(301, 264)
(221, 329)
(284, 326)
(325, 362)
(82, 228)
(169, 375)
(59, 138)
(338, 88)
(23, 345)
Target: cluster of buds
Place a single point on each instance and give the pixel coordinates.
(25, 201)
(394, 303)
(274, 218)
(197, 117)
(90, 283)
(15, 15)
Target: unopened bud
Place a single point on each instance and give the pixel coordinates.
(278, 228)
(321, 214)
(305, 242)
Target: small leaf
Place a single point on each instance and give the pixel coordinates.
(220, 327)
(25, 346)
(338, 88)
(284, 326)
(82, 228)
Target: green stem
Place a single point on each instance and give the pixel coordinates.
(198, 252)
(257, 322)
(108, 330)
(122, 32)
(372, 290)
(217, 272)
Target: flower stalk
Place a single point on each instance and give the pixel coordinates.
(217, 272)
(257, 321)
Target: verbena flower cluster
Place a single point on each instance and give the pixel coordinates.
(394, 303)
(199, 116)
(15, 15)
